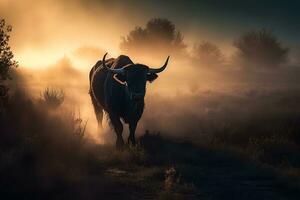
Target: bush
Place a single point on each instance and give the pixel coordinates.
(208, 53)
(275, 150)
(260, 48)
(53, 97)
(38, 149)
(152, 142)
(159, 35)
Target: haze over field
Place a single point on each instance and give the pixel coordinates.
(44, 31)
(57, 42)
(221, 121)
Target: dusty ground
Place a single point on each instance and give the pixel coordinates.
(159, 168)
(175, 170)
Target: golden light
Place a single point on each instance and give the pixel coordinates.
(38, 59)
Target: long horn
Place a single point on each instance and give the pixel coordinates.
(159, 69)
(116, 71)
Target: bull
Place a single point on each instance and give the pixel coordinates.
(118, 87)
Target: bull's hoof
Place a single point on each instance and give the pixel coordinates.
(131, 141)
(120, 144)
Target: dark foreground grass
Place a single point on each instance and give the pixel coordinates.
(176, 171)
(44, 155)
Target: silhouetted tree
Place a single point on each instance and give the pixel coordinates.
(208, 53)
(260, 48)
(159, 35)
(6, 57)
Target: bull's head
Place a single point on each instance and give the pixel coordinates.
(134, 77)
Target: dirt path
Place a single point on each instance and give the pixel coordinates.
(198, 173)
(170, 170)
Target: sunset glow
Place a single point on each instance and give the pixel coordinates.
(157, 99)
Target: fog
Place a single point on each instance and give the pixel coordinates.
(186, 101)
(57, 42)
(44, 31)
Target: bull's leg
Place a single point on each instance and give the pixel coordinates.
(99, 117)
(118, 127)
(132, 128)
(98, 111)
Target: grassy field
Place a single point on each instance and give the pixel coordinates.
(44, 155)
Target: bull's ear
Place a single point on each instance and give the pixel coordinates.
(151, 77)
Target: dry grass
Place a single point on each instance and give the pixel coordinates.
(52, 97)
(44, 148)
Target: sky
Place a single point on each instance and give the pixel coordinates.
(44, 31)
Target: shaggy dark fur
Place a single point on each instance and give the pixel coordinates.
(121, 101)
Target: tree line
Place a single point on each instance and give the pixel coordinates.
(7, 61)
(260, 48)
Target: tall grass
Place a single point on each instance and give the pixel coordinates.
(52, 97)
(38, 148)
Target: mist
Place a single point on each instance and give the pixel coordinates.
(221, 121)
(57, 42)
(44, 31)
(186, 101)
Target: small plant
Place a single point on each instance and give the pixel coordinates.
(172, 178)
(75, 124)
(275, 150)
(53, 97)
(79, 127)
(152, 142)
(175, 188)
(137, 153)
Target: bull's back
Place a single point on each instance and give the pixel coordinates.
(105, 90)
(97, 78)
(94, 69)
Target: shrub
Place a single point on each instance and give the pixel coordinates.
(38, 148)
(275, 150)
(171, 178)
(260, 48)
(208, 53)
(53, 97)
(158, 35)
(152, 142)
